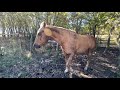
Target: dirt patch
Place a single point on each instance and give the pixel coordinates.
(17, 61)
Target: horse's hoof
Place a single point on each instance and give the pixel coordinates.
(66, 70)
(85, 69)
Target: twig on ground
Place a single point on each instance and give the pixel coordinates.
(79, 73)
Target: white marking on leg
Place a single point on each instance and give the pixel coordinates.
(70, 75)
(66, 70)
(71, 69)
(86, 67)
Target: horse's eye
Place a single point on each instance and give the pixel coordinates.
(39, 34)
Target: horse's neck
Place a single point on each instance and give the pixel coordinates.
(56, 37)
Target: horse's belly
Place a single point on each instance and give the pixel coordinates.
(82, 51)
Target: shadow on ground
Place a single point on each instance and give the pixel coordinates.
(102, 65)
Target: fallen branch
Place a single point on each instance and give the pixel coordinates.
(78, 73)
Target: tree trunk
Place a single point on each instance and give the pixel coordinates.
(47, 18)
(108, 41)
(117, 39)
(109, 36)
(3, 32)
(90, 29)
(78, 26)
(94, 30)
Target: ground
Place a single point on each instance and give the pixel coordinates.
(102, 65)
(18, 62)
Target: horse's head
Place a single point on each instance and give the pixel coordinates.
(42, 36)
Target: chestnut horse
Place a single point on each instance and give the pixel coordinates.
(70, 42)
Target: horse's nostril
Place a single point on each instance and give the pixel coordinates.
(36, 46)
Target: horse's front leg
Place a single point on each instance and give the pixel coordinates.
(69, 63)
(66, 59)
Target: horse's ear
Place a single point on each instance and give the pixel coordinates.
(48, 32)
(43, 24)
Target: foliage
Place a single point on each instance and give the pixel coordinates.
(28, 22)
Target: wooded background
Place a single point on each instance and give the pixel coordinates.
(18, 31)
(104, 25)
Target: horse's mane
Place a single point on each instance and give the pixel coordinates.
(60, 29)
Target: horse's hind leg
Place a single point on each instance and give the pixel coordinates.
(71, 75)
(86, 67)
(88, 61)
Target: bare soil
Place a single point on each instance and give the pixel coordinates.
(18, 64)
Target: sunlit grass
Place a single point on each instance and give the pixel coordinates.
(12, 53)
(113, 40)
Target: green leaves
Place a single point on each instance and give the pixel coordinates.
(82, 22)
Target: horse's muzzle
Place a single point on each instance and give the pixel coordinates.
(36, 46)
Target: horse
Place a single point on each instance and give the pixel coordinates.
(71, 43)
